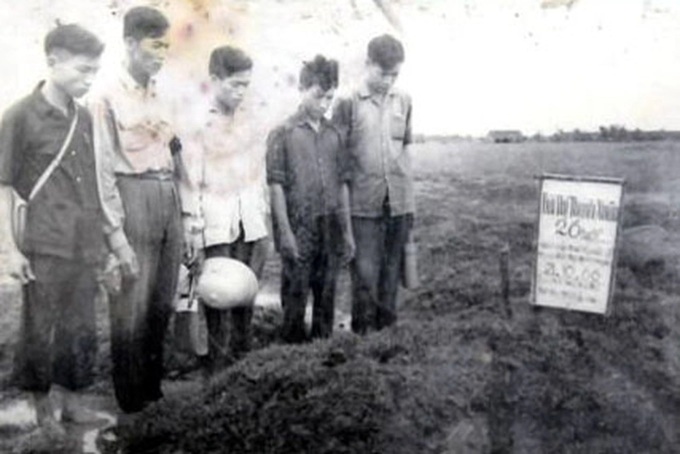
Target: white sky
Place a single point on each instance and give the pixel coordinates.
(472, 65)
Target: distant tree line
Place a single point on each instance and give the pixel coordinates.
(611, 133)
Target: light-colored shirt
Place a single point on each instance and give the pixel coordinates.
(226, 167)
(378, 132)
(142, 118)
(131, 131)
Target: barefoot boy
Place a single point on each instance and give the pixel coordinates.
(47, 158)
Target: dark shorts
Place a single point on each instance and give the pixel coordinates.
(57, 337)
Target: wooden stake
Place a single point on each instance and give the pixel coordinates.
(504, 259)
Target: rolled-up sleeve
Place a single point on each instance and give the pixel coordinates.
(342, 117)
(106, 144)
(190, 187)
(276, 157)
(10, 143)
(344, 163)
(342, 121)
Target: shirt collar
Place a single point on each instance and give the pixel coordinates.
(215, 115)
(43, 106)
(214, 109)
(365, 92)
(300, 118)
(130, 84)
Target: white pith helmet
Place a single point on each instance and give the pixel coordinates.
(226, 283)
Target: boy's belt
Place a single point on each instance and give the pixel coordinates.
(159, 175)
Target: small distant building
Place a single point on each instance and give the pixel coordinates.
(509, 136)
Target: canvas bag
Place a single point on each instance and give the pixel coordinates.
(190, 326)
(20, 206)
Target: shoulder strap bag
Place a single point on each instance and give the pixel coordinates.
(20, 206)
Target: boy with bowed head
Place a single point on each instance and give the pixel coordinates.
(376, 122)
(307, 176)
(47, 158)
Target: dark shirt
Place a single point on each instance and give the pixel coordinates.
(377, 132)
(64, 219)
(309, 166)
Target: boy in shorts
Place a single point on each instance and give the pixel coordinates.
(63, 239)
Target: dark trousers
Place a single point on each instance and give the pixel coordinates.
(376, 269)
(140, 312)
(226, 345)
(316, 270)
(58, 337)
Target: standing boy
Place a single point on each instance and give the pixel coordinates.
(47, 137)
(377, 122)
(142, 202)
(310, 203)
(226, 195)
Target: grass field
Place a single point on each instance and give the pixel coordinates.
(456, 375)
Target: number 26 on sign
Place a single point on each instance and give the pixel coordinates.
(572, 228)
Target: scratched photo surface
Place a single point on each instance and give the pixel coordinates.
(503, 91)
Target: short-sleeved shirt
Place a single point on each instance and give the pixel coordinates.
(64, 219)
(227, 187)
(309, 165)
(377, 132)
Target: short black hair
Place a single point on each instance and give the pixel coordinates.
(386, 51)
(144, 22)
(227, 60)
(74, 39)
(320, 71)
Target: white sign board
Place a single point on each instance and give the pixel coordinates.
(578, 225)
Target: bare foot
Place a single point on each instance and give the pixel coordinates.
(52, 429)
(47, 437)
(74, 410)
(81, 415)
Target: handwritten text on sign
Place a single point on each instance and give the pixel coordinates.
(577, 230)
